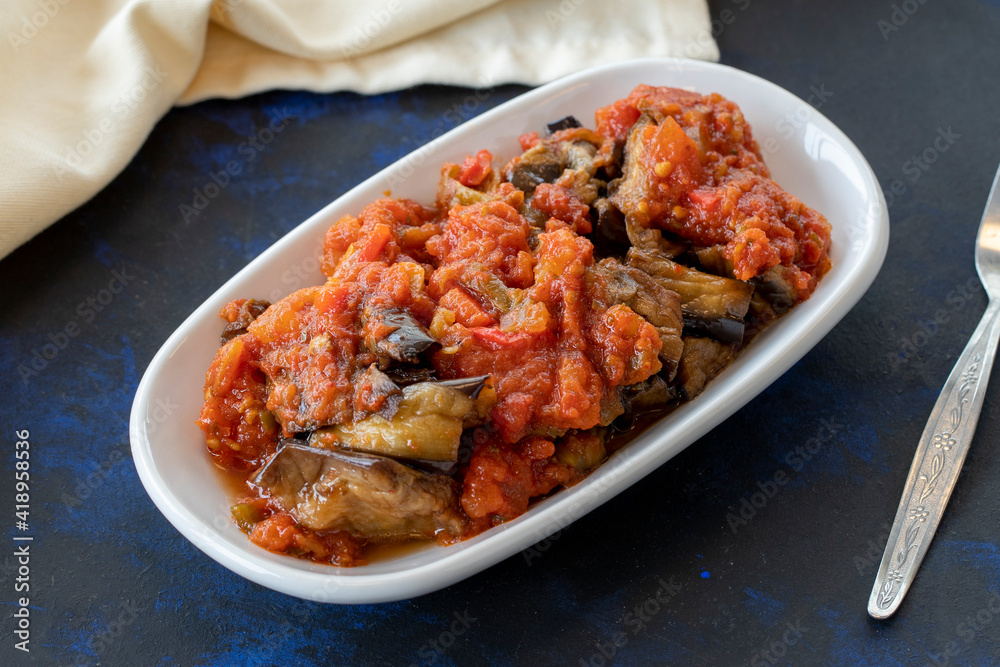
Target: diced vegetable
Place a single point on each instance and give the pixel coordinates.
(584, 451)
(702, 360)
(539, 165)
(427, 423)
(246, 516)
(563, 124)
(712, 305)
(610, 236)
(368, 496)
(406, 340)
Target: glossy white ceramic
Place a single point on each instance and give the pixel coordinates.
(808, 156)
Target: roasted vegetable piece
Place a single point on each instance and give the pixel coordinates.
(653, 240)
(773, 285)
(584, 450)
(540, 164)
(246, 515)
(712, 305)
(368, 496)
(702, 360)
(609, 236)
(776, 289)
(239, 314)
(407, 375)
(647, 396)
(633, 192)
(660, 306)
(427, 424)
(374, 391)
(563, 124)
(396, 335)
(471, 387)
(571, 156)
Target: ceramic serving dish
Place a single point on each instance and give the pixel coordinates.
(808, 156)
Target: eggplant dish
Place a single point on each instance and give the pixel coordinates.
(465, 358)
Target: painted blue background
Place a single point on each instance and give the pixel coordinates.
(662, 574)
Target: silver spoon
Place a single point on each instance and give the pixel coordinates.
(947, 436)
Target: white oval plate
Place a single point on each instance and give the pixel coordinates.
(808, 156)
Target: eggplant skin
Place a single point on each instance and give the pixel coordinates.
(610, 236)
(426, 424)
(407, 339)
(567, 123)
(723, 329)
(539, 165)
(371, 497)
(661, 307)
(712, 305)
(250, 310)
(702, 360)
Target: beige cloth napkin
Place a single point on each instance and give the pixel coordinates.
(82, 82)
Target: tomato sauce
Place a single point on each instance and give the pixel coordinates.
(704, 179)
(504, 285)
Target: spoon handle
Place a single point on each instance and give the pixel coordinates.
(936, 466)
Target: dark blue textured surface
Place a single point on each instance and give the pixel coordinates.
(113, 583)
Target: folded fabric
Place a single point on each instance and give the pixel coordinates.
(84, 83)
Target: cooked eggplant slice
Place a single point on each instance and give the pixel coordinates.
(584, 450)
(612, 406)
(653, 240)
(547, 161)
(581, 183)
(724, 329)
(633, 188)
(492, 293)
(250, 310)
(427, 423)
(771, 285)
(634, 191)
(370, 497)
(613, 169)
(702, 360)
(538, 165)
(776, 290)
(609, 235)
(471, 386)
(713, 260)
(647, 297)
(403, 376)
(374, 391)
(567, 123)
(712, 305)
(651, 394)
(579, 156)
(397, 335)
